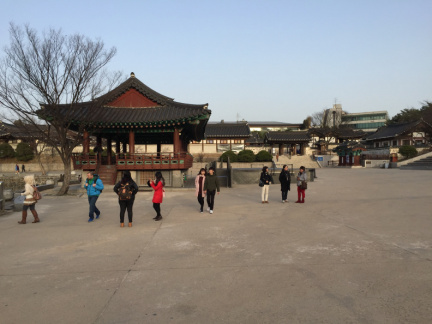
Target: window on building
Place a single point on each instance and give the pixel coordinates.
(395, 143)
(376, 144)
(405, 142)
(237, 141)
(210, 141)
(224, 141)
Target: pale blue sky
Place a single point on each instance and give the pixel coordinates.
(261, 60)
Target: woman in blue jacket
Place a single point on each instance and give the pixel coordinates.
(94, 188)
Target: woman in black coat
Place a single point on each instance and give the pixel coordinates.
(126, 201)
(285, 181)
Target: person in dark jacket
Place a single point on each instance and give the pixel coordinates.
(94, 188)
(285, 182)
(266, 179)
(126, 204)
(211, 184)
(157, 186)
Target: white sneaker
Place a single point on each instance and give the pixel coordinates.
(283, 201)
(211, 211)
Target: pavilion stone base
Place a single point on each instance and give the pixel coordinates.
(177, 178)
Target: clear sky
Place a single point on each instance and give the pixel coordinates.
(257, 60)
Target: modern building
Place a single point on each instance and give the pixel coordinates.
(366, 121)
(272, 126)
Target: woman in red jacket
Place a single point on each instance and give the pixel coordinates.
(157, 186)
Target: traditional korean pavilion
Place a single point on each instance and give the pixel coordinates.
(134, 114)
(349, 153)
(288, 141)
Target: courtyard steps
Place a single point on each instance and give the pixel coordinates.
(297, 161)
(422, 164)
(108, 174)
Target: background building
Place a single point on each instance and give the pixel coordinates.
(366, 121)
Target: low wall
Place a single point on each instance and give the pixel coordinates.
(31, 167)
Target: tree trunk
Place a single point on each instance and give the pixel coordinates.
(67, 177)
(41, 164)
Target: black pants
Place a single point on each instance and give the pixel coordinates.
(210, 198)
(284, 195)
(126, 205)
(201, 201)
(157, 208)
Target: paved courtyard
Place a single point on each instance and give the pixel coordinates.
(358, 251)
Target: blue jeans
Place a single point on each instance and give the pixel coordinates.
(93, 209)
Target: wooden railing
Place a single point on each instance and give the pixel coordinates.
(136, 161)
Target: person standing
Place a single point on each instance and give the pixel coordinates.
(158, 195)
(285, 182)
(266, 179)
(23, 168)
(199, 187)
(301, 176)
(126, 190)
(16, 169)
(94, 188)
(29, 201)
(211, 184)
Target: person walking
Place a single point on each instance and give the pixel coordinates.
(23, 168)
(94, 188)
(301, 176)
(211, 185)
(285, 182)
(266, 178)
(158, 195)
(126, 190)
(199, 187)
(29, 201)
(16, 169)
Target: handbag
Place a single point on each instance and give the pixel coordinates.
(36, 194)
(303, 185)
(261, 183)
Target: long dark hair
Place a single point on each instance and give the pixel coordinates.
(202, 169)
(126, 177)
(159, 177)
(264, 169)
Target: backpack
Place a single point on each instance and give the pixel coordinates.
(36, 194)
(125, 192)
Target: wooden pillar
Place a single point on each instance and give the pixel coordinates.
(86, 142)
(340, 160)
(109, 150)
(118, 146)
(99, 141)
(281, 149)
(124, 147)
(131, 142)
(158, 149)
(302, 148)
(176, 142)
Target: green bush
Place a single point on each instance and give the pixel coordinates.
(6, 151)
(24, 152)
(246, 156)
(263, 156)
(231, 154)
(408, 151)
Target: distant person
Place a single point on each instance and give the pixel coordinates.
(285, 182)
(29, 201)
(199, 187)
(126, 190)
(94, 188)
(266, 179)
(211, 185)
(16, 169)
(301, 176)
(23, 168)
(157, 185)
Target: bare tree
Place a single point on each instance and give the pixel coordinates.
(39, 73)
(317, 118)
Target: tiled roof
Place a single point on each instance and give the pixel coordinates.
(391, 131)
(339, 132)
(255, 139)
(100, 112)
(232, 130)
(353, 145)
(293, 136)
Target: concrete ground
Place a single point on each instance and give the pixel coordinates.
(358, 251)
